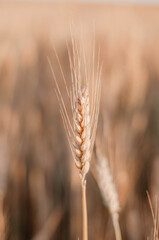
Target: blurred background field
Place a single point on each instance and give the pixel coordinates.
(40, 196)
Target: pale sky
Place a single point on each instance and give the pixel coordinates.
(116, 1)
(106, 1)
(122, 1)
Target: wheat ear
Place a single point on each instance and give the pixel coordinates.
(84, 97)
(108, 190)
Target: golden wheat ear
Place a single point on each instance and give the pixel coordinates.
(104, 178)
(84, 98)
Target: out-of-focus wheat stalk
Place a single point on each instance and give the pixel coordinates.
(108, 190)
(84, 97)
(155, 217)
(50, 225)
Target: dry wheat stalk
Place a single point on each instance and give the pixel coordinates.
(84, 97)
(108, 189)
(155, 217)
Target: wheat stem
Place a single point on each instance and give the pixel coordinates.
(116, 225)
(84, 212)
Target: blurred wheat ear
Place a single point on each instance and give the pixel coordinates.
(104, 179)
(84, 98)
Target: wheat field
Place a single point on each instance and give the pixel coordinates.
(40, 194)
